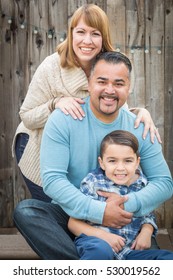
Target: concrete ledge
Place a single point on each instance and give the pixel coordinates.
(15, 247)
(165, 239)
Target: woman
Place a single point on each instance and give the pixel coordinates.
(61, 81)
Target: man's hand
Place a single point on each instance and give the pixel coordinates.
(115, 215)
(111, 196)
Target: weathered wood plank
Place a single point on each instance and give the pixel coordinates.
(6, 120)
(135, 50)
(168, 92)
(155, 61)
(116, 12)
(154, 64)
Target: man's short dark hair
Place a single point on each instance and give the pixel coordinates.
(113, 57)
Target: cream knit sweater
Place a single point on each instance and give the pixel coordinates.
(49, 81)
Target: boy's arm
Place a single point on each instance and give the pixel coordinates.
(78, 227)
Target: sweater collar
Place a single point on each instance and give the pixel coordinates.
(74, 80)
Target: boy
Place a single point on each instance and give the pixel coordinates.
(119, 173)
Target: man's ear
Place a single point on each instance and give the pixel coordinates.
(101, 163)
(89, 88)
(138, 162)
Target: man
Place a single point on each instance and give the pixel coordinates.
(70, 150)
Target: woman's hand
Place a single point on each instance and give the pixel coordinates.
(71, 105)
(144, 116)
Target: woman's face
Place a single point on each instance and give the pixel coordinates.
(87, 42)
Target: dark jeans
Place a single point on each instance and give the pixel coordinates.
(44, 226)
(35, 190)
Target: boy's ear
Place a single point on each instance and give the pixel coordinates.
(101, 163)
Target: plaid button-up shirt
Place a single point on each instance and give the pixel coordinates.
(97, 180)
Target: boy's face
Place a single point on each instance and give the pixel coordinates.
(120, 163)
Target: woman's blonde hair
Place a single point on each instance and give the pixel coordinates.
(93, 16)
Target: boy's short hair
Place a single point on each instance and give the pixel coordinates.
(120, 137)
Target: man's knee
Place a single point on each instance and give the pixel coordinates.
(22, 210)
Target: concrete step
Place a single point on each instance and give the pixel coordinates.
(165, 239)
(13, 246)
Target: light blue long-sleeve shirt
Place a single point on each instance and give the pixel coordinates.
(70, 149)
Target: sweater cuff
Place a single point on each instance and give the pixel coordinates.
(132, 204)
(96, 211)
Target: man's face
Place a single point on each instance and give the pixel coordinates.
(109, 89)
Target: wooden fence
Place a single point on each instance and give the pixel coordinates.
(30, 30)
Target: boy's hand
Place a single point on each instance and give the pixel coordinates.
(115, 241)
(143, 240)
